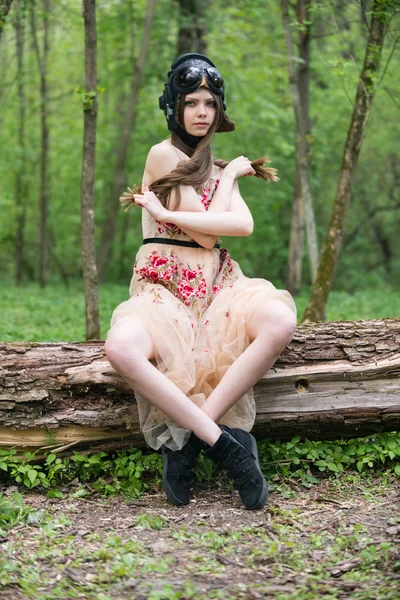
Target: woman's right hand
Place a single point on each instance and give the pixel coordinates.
(239, 167)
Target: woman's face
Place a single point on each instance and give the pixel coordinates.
(199, 112)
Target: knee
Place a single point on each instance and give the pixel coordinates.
(286, 327)
(113, 348)
(127, 345)
(116, 348)
(275, 320)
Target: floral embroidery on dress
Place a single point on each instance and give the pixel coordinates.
(157, 268)
(192, 284)
(168, 229)
(225, 271)
(187, 284)
(205, 199)
(216, 289)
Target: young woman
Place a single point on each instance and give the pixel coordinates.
(196, 334)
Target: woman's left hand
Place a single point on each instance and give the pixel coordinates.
(151, 203)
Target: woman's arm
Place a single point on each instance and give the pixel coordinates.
(237, 222)
(161, 160)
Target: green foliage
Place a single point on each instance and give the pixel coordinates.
(13, 511)
(303, 458)
(246, 42)
(203, 469)
(59, 314)
(130, 472)
(147, 521)
(125, 472)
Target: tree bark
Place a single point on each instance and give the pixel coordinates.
(44, 152)
(295, 257)
(333, 380)
(299, 92)
(109, 229)
(192, 26)
(365, 93)
(20, 181)
(296, 243)
(88, 251)
(5, 6)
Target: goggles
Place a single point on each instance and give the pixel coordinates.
(189, 78)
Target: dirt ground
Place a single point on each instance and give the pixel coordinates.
(338, 539)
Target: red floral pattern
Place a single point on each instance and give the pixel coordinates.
(226, 271)
(205, 197)
(158, 268)
(191, 284)
(167, 229)
(187, 284)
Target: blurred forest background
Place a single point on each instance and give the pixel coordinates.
(42, 85)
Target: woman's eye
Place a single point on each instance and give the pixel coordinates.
(211, 103)
(189, 103)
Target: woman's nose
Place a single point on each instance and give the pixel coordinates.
(201, 109)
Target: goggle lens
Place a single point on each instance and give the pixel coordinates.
(215, 77)
(190, 75)
(187, 77)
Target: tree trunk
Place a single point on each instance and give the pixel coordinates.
(192, 26)
(296, 243)
(5, 6)
(109, 229)
(365, 93)
(20, 181)
(333, 380)
(299, 91)
(43, 199)
(295, 258)
(89, 267)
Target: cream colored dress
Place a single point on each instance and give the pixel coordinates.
(195, 303)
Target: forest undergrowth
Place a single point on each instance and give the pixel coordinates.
(335, 538)
(57, 313)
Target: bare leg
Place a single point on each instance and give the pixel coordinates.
(270, 329)
(129, 348)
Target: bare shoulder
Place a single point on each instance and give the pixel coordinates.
(161, 160)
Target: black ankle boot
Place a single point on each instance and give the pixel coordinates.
(177, 468)
(236, 451)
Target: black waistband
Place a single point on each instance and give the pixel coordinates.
(157, 240)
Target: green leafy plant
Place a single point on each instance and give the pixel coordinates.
(304, 458)
(127, 472)
(203, 469)
(130, 472)
(13, 511)
(148, 521)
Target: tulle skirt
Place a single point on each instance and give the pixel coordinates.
(195, 304)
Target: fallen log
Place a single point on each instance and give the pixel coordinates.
(335, 379)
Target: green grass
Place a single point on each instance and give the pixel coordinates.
(55, 313)
(301, 549)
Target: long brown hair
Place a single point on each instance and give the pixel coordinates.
(197, 170)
